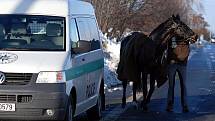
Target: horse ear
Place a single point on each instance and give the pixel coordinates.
(178, 17)
(173, 16)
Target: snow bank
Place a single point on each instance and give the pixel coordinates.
(112, 52)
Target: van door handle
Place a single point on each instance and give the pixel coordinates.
(83, 59)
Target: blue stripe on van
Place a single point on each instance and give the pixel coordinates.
(84, 69)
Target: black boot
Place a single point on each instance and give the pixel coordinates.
(123, 102)
(169, 107)
(185, 109)
(144, 106)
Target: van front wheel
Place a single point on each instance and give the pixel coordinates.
(69, 113)
(96, 111)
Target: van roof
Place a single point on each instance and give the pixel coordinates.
(46, 7)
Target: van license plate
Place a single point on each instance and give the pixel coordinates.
(7, 107)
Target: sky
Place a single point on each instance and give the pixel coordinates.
(209, 6)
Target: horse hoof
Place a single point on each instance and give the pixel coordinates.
(135, 104)
(147, 101)
(145, 108)
(123, 105)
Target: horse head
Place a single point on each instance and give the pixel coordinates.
(160, 33)
(173, 26)
(183, 31)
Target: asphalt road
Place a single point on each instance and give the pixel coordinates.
(201, 95)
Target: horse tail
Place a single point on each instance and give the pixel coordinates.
(120, 69)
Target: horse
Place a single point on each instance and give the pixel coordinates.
(141, 55)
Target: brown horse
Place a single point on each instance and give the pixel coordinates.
(141, 55)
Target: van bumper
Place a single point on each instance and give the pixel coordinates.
(32, 102)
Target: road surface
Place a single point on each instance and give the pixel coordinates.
(201, 95)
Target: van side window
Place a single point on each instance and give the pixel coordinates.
(83, 28)
(88, 35)
(73, 33)
(83, 44)
(95, 43)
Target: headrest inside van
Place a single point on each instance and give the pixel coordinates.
(53, 30)
(18, 29)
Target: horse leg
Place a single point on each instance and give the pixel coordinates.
(134, 95)
(124, 84)
(152, 88)
(145, 90)
(134, 92)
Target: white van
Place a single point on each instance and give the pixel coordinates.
(51, 60)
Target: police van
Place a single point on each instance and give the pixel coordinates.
(51, 60)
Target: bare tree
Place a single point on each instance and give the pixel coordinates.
(118, 16)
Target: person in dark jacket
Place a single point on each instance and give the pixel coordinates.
(178, 52)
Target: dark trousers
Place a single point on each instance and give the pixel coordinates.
(181, 69)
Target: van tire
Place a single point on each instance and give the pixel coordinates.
(70, 111)
(102, 91)
(96, 111)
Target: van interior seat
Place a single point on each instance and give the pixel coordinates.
(54, 34)
(19, 31)
(9, 42)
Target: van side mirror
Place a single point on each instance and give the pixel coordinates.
(75, 44)
(81, 46)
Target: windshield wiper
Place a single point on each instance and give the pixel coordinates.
(13, 49)
(42, 49)
(29, 49)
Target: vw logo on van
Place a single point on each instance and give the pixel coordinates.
(2, 78)
(6, 58)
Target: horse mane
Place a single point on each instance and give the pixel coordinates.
(160, 31)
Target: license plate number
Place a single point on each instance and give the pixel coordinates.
(7, 107)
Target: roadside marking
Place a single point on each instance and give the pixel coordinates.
(212, 56)
(203, 112)
(205, 89)
(210, 53)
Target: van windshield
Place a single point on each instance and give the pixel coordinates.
(32, 33)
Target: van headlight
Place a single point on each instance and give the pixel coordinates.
(51, 77)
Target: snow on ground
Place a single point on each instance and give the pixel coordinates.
(112, 51)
